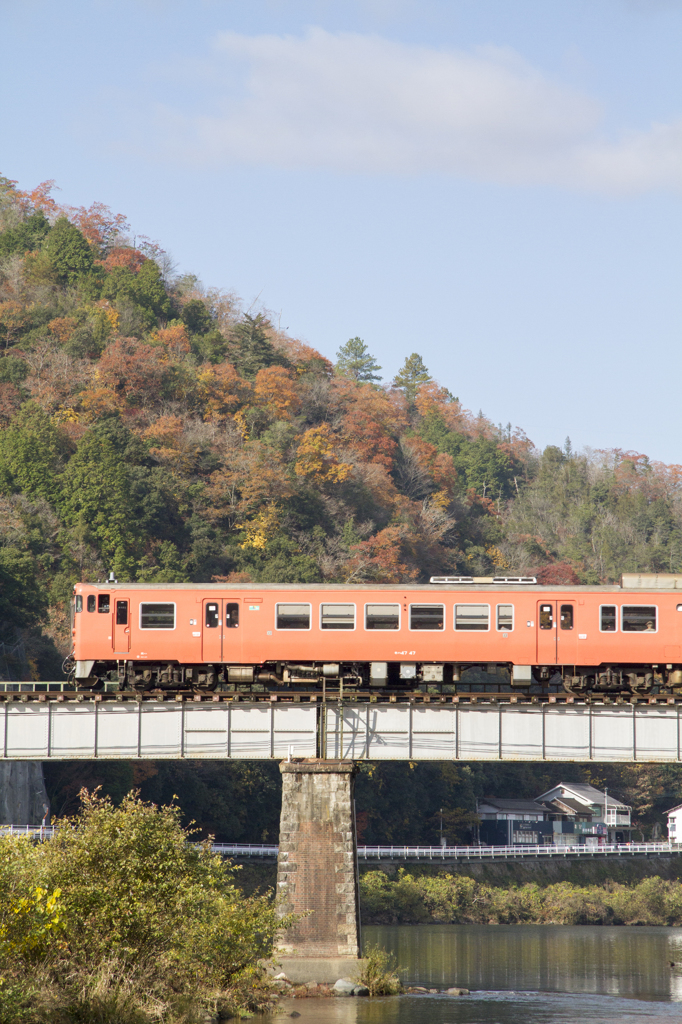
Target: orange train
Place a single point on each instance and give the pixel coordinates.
(623, 639)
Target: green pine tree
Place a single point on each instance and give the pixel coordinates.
(411, 376)
(253, 350)
(356, 361)
(68, 250)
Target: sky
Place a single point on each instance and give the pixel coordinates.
(495, 185)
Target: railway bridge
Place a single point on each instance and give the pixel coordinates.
(318, 744)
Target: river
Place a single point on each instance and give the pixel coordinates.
(518, 974)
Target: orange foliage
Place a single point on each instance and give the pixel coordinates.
(63, 327)
(38, 198)
(97, 223)
(371, 422)
(378, 558)
(123, 256)
(253, 477)
(274, 389)
(13, 317)
(223, 390)
(316, 458)
(96, 402)
(133, 370)
(173, 339)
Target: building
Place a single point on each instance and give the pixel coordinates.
(580, 802)
(569, 814)
(675, 824)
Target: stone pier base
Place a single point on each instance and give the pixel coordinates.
(317, 871)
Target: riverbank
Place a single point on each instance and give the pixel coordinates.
(409, 898)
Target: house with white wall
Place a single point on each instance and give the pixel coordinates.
(675, 824)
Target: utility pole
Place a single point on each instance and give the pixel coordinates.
(442, 841)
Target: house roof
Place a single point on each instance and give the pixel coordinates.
(583, 793)
(513, 805)
(677, 807)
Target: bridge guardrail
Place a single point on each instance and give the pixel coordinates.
(415, 852)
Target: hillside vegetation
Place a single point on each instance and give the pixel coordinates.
(151, 426)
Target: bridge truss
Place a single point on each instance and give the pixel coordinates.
(226, 729)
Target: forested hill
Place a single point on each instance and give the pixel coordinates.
(151, 426)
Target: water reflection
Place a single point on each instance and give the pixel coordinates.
(618, 961)
(518, 974)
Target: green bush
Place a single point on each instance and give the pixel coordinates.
(140, 924)
(458, 899)
(379, 973)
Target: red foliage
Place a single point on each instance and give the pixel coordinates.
(559, 574)
(123, 256)
(133, 370)
(10, 400)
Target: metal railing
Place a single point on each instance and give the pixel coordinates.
(506, 852)
(41, 832)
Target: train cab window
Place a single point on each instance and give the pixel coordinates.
(472, 616)
(231, 615)
(639, 618)
(157, 616)
(546, 616)
(382, 616)
(103, 603)
(121, 613)
(566, 616)
(293, 616)
(91, 602)
(337, 616)
(505, 618)
(427, 616)
(608, 618)
(212, 620)
(79, 602)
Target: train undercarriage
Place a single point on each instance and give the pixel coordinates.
(332, 679)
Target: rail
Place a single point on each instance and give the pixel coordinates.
(369, 853)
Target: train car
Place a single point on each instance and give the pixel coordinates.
(450, 634)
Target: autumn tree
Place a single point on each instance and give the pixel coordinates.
(411, 376)
(354, 360)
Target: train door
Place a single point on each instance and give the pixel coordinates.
(212, 631)
(121, 634)
(546, 632)
(232, 636)
(567, 634)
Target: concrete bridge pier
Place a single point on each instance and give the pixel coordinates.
(317, 871)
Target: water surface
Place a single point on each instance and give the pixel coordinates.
(518, 974)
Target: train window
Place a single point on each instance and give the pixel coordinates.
(639, 618)
(566, 616)
(505, 617)
(546, 616)
(293, 616)
(337, 616)
(231, 615)
(427, 616)
(91, 602)
(472, 616)
(212, 620)
(121, 613)
(382, 616)
(157, 616)
(103, 603)
(608, 618)
(79, 602)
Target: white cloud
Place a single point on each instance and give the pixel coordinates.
(355, 103)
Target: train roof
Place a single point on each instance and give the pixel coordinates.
(651, 582)
(395, 588)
